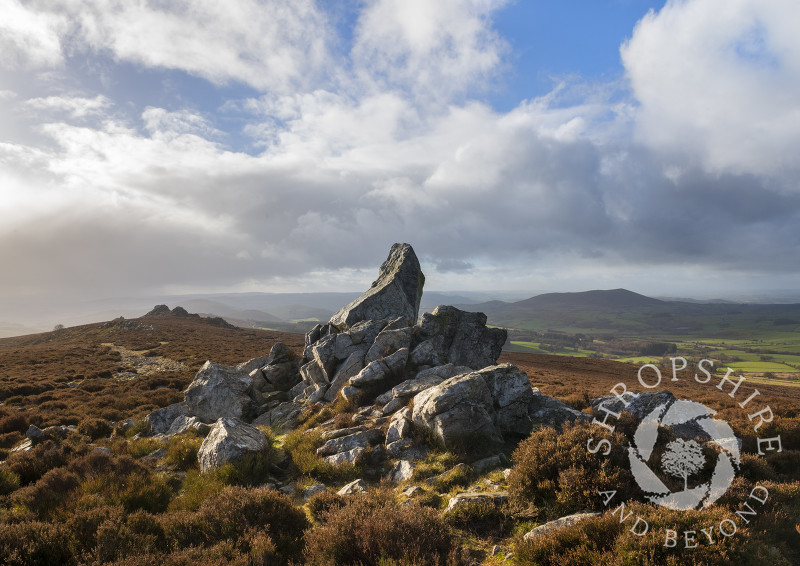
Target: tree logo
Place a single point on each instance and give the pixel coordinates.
(684, 458)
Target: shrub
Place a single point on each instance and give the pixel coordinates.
(385, 532)
(48, 493)
(16, 422)
(302, 448)
(30, 466)
(182, 452)
(481, 518)
(555, 472)
(323, 502)
(120, 536)
(148, 492)
(94, 428)
(33, 543)
(9, 481)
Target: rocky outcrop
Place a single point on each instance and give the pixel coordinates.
(450, 335)
(556, 524)
(219, 391)
(161, 420)
(396, 292)
(229, 439)
(547, 411)
(281, 368)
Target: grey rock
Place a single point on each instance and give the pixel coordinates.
(297, 389)
(459, 337)
(184, 423)
(488, 464)
(250, 365)
(161, 419)
(323, 352)
(556, 524)
(289, 489)
(512, 395)
(343, 444)
(284, 415)
(365, 332)
(457, 409)
(398, 447)
(346, 370)
(229, 439)
(355, 486)
(313, 335)
(640, 404)
(445, 371)
(411, 387)
(384, 398)
(339, 432)
(283, 376)
(348, 392)
(393, 406)
(348, 457)
(381, 370)
(318, 394)
(412, 491)
(34, 432)
(544, 410)
(402, 471)
(25, 446)
(388, 342)
(313, 490)
(314, 374)
(396, 292)
(399, 426)
(462, 499)
(219, 391)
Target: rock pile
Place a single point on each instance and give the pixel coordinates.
(437, 374)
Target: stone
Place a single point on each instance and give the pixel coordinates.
(282, 375)
(313, 335)
(395, 293)
(348, 457)
(457, 410)
(402, 471)
(458, 337)
(544, 410)
(388, 342)
(399, 426)
(384, 398)
(365, 332)
(381, 370)
(250, 365)
(487, 464)
(494, 497)
(396, 448)
(512, 394)
(323, 352)
(284, 415)
(639, 404)
(346, 370)
(313, 490)
(229, 439)
(348, 392)
(219, 391)
(25, 446)
(412, 491)
(314, 374)
(561, 523)
(339, 432)
(182, 424)
(393, 406)
(343, 444)
(318, 394)
(34, 432)
(355, 486)
(161, 419)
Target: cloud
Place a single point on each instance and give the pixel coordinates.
(719, 80)
(27, 39)
(75, 107)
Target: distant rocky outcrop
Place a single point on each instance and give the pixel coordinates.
(436, 377)
(180, 312)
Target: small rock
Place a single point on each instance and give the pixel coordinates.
(314, 489)
(343, 444)
(497, 498)
(34, 432)
(228, 440)
(289, 489)
(412, 491)
(561, 523)
(356, 486)
(26, 446)
(102, 449)
(401, 471)
(396, 448)
(348, 457)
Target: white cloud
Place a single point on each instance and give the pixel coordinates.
(719, 80)
(433, 49)
(75, 107)
(28, 39)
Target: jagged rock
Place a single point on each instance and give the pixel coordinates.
(219, 391)
(323, 352)
(457, 409)
(396, 292)
(313, 490)
(393, 406)
(34, 432)
(161, 419)
(159, 310)
(348, 457)
(347, 370)
(348, 392)
(639, 404)
(339, 432)
(399, 426)
(284, 416)
(343, 444)
(388, 342)
(451, 335)
(461, 499)
(512, 395)
(281, 368)
(314, 374)
(182, 424)
(365, 332)
(544, 410)
(253, 364)
(355, 486)
(561, 523)
(402, 471)
(487, 464)
(313, 335)
(25, 446)
(229, 439)
(381, 370)
(396, 448)
(318, 394)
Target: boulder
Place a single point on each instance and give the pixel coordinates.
(284, 415)
(346, 370)
(161, 419)
(399, 426)
(561, 523)
(451, 335)
(323, 353)
(547, 411)
(313, 490)
(381, 370)
(348, 457)
(388, 342)
(182, 424)
(402, 471)
(34, 432)
(219, 391)
(355, 486)
(314, 374)
(229, 439)
(365, 332)
(343, 444)
(458, 409)
(282, 369)
(512, 395)
(395, 293)
(250, 365)
(463, 499)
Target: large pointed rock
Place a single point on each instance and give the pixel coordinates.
(229, 440)
(396, 292)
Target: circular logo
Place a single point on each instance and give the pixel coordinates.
(683, 456)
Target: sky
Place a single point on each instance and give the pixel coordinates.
(160, 146)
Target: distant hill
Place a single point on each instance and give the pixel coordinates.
(614, 298)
